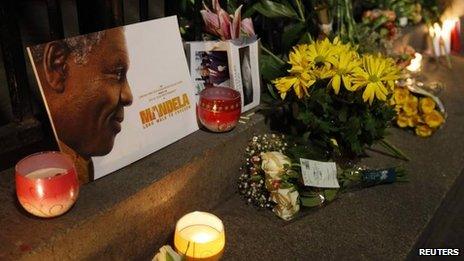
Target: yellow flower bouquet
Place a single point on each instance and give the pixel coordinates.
(416, 111)
(335, 98)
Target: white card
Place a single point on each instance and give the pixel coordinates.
(319, 174)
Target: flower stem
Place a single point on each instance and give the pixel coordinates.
(397, 152)
(448, 60)
(272, 55)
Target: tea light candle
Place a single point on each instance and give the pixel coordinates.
(200, 236)
(219, 108)
(46, 184)
(416, 63)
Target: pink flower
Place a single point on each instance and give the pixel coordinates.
(247, 26)
(224, 23)
(219, 23)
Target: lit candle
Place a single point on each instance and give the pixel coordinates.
(46, 184)
(448, 26)
(416, 63)
(436, 32)
(200, 236)
(442, 36)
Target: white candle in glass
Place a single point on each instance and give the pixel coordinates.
(436, 32)
(200, 236)
(45, 173)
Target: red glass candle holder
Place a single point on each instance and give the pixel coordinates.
(46, 183)
(219, 108)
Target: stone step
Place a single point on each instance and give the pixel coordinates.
(133, 211)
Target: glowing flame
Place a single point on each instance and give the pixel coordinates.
(441, 35)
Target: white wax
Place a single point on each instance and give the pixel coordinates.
(45, 173)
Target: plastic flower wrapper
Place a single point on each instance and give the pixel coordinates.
(166, 253)
(287, 202)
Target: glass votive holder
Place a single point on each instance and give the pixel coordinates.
(46, 183)
(219, 108)
(200, 236)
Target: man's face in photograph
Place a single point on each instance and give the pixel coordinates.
(88, 112)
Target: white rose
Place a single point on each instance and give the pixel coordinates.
(287, 201)
(273, 164)
(167, 253)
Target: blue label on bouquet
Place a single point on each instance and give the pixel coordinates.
(379, 176)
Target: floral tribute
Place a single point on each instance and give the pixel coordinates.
(271, 177)
(416, 112)
(382, 21)
(223, 25)
(337, 96)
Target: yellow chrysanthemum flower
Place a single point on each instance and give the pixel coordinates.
(414, 120)
(299, 60)
(402, 121)
(400, 95)
(410, 106)
(345, 67)
(300, 78)
(299, 83)
(423, 131)
(427, 105)
(434, 119)
(322, 72)
(376, 74)
(322, 53)
(343, 47)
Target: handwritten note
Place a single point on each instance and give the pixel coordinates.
(319, 174)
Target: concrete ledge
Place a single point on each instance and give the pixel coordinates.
(133, 211)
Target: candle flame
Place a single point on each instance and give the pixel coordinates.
(202, 237)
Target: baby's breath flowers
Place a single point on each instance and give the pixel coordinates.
(251, 184)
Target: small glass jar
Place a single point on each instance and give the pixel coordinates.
(46, 183)
(219, 108)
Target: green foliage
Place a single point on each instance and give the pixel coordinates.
(273, 9)
(323, 118)
(313, 197)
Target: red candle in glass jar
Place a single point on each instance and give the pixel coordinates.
(219, 108)
(46, 183)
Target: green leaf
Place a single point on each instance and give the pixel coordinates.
(305, 38)
(342, 116)
(249, 12)
(330, 194)
(311, 201)
(256, 178)
(270, 67)
(274, 10)
(292, 34)
(270, 88)
(306, 136)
